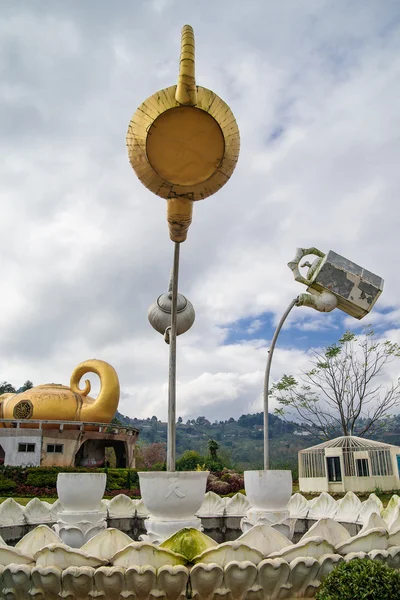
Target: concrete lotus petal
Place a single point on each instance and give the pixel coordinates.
(227, 552)
(38, 512)
(394, 522)
(141, 509)
(46, 582)
(332, 531)
(302, 577)
(381, 555)
(237, 506)
(298, 506)
(37, 539)
(78, 582)
(173, 580)
(141, 581)
(121, 506)
(394, 538)
(389, 513)
(349, 508)
(11, 513)
(322, 507)
(2, 542)
(109, 582)
(373, 539)
(352, 555)
(142, 554)
(56, 508)
(393, 559)
(265, 539)
(213, 506)
(205, 580)
(59, 555)
(313, 547)
(188, 542)
(374, 521)
(107, 543)
(239, 577)
(327, 563)
(273, 577)
(16, 581)
(377, 500)
(369, 507)
(10, 556)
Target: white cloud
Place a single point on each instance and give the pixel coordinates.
(84, 247)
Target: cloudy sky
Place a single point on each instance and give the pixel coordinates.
(84, 247)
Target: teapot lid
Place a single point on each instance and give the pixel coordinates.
(164, 302)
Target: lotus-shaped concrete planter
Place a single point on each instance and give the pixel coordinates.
(269, 493)
(172, 499)
(81, 491)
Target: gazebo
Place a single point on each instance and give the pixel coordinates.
(349, 463)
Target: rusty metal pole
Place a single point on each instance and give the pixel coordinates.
(171, 434)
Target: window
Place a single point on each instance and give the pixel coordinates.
(334, 470)
(362, 467)
(57, 448)
(26, 447)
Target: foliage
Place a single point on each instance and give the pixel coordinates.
(341, 394)
(361, 578)
(148, 456)
(41, 481)
(6, 388)
(189, 461)
(42, 478)
(213, 448)
(7, 485)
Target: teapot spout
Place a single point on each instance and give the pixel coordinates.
(186, 91)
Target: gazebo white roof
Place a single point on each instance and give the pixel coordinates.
(349, 443)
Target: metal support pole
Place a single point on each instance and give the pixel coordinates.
(171, 436)
(266, 381)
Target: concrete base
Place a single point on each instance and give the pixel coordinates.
(269, 517)
(76, 529)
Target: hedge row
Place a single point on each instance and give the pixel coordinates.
(41, 481)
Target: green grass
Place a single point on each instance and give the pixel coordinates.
(385, 497)
(24, 501)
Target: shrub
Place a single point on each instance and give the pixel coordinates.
(7, 485)
(219, 487)
(361, 578)
(42, 479)
(189, 461)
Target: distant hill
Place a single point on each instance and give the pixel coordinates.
(241, 441)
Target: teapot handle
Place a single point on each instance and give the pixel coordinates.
(294, 264)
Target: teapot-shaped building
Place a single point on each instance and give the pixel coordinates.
(56, 425)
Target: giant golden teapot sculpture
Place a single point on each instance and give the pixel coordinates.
(55, 402)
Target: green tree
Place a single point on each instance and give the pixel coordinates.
(189, 461)
(343, 393)
(213, 449)
(28, 385)
(6, 388)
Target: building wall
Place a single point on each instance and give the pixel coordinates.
(356, 483)
(313, 484)
(10, 440)
(71, 440)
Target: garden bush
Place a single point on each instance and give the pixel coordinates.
(7, 485)
(361, 579)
